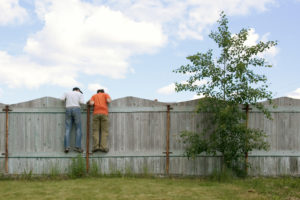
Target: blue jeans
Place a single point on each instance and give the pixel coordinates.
(73, 115)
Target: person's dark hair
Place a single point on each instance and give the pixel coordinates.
(77, 89)
(100, 90)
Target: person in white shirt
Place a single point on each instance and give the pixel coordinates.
(73, 100)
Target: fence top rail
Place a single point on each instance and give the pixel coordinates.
(254, 153)
(111, 109)
(282, 109)
(133, 104)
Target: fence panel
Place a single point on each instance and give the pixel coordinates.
(137, 138)
(283, 136)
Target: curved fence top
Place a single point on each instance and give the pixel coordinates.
(130, 101)
(125, 104)
(44, 102)
(284, 101)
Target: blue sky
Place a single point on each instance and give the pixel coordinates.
(131, 47)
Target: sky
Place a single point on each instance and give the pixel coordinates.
(131, 47)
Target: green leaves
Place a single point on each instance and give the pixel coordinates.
(231, 81)
(230, 76)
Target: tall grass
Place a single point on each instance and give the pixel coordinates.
(77, 168)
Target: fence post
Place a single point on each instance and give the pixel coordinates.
(168, 140)
(6, 109)
(87, 136)
(247, 109)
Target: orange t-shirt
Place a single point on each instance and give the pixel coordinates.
(100, 106)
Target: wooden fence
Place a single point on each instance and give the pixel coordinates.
(143, 138)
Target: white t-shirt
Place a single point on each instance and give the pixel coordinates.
(73, 99)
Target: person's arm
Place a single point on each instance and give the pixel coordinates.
(91, 101)
(81, 100)
(108, 99)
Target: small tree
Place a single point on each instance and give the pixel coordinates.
(230, 83)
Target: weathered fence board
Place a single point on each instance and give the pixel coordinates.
(2, 138)
(137, 138)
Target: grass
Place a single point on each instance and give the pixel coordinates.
(77, 168)
(150, 188)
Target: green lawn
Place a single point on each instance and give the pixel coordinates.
(151, 188)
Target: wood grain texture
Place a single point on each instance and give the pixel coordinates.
(137, 138)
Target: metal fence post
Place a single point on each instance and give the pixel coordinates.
(6, 109)
(247, 109)
(168, 140)
(87, 137)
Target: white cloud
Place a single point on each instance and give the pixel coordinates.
(295, 94)
(79, 37)
(201, 82)
(271, 53)
(170, 89)
(99, 38)
(11, 12)
(96, 38)
(254, 38)
(189, 18)
(242, 7)
(196, 96)
(1, 92)
(95, 86)
(167, 90)
(22, 72)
